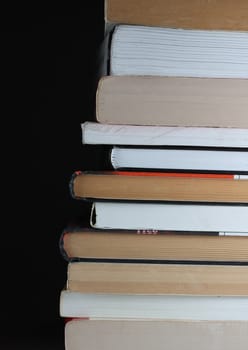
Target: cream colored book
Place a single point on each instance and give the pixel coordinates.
(173, 101)
(157, 335)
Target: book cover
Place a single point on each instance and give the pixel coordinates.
(157, 278)
(159, 186)
(82, 242)
(154, 334)
(191, 14)
(174, 102)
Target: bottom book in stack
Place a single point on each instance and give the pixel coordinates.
(83, 334)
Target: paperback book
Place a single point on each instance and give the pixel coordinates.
(178, 52)
(99, 133)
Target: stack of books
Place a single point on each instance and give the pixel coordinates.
(162, 260)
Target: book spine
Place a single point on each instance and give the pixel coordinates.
(71, 184)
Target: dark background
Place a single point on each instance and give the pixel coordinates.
(48, 89)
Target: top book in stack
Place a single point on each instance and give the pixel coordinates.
(196, 14)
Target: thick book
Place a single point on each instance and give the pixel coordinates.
(157, 278)
(178, 52)
(155, 334)
(183, 159)
(197, 14)
(86, 243)
(153, 307)
(159, 186)
(172, 101)
(99, 133)
(170, 216)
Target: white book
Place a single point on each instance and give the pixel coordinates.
(82, 334)
(167, 216)
(163, 307)
(144, 50)
(179, 159)
(115, 134)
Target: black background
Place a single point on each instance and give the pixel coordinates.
(49, 63)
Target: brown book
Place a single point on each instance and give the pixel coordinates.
(159, 186)
(155, 334)
(82, 242)
(172, 101)
(197, 14)
(149, 278)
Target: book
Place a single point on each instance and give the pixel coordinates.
(159, 186)
(153, 307)
(172, 101)
(156, 307)
(81, 242)
(178, 52)
(157, 278)
(98, 133)
(197, 14)
(158, 335)
(184, 159)
(170, 216)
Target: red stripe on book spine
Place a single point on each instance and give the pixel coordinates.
(143, 173)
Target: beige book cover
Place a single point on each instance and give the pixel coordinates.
(157, 335)
(192, 14)
(159, 279)
(172, 101)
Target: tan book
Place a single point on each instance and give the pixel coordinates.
(83, 242)
(148, 278)
(160, 186)
(197, 14)
(172, 101)
(155, 334)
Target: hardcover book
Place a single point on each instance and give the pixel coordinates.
(197, 14)
(173, 101)
(159, 186)
(157, 278)
(81, 242)
(155, 334)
